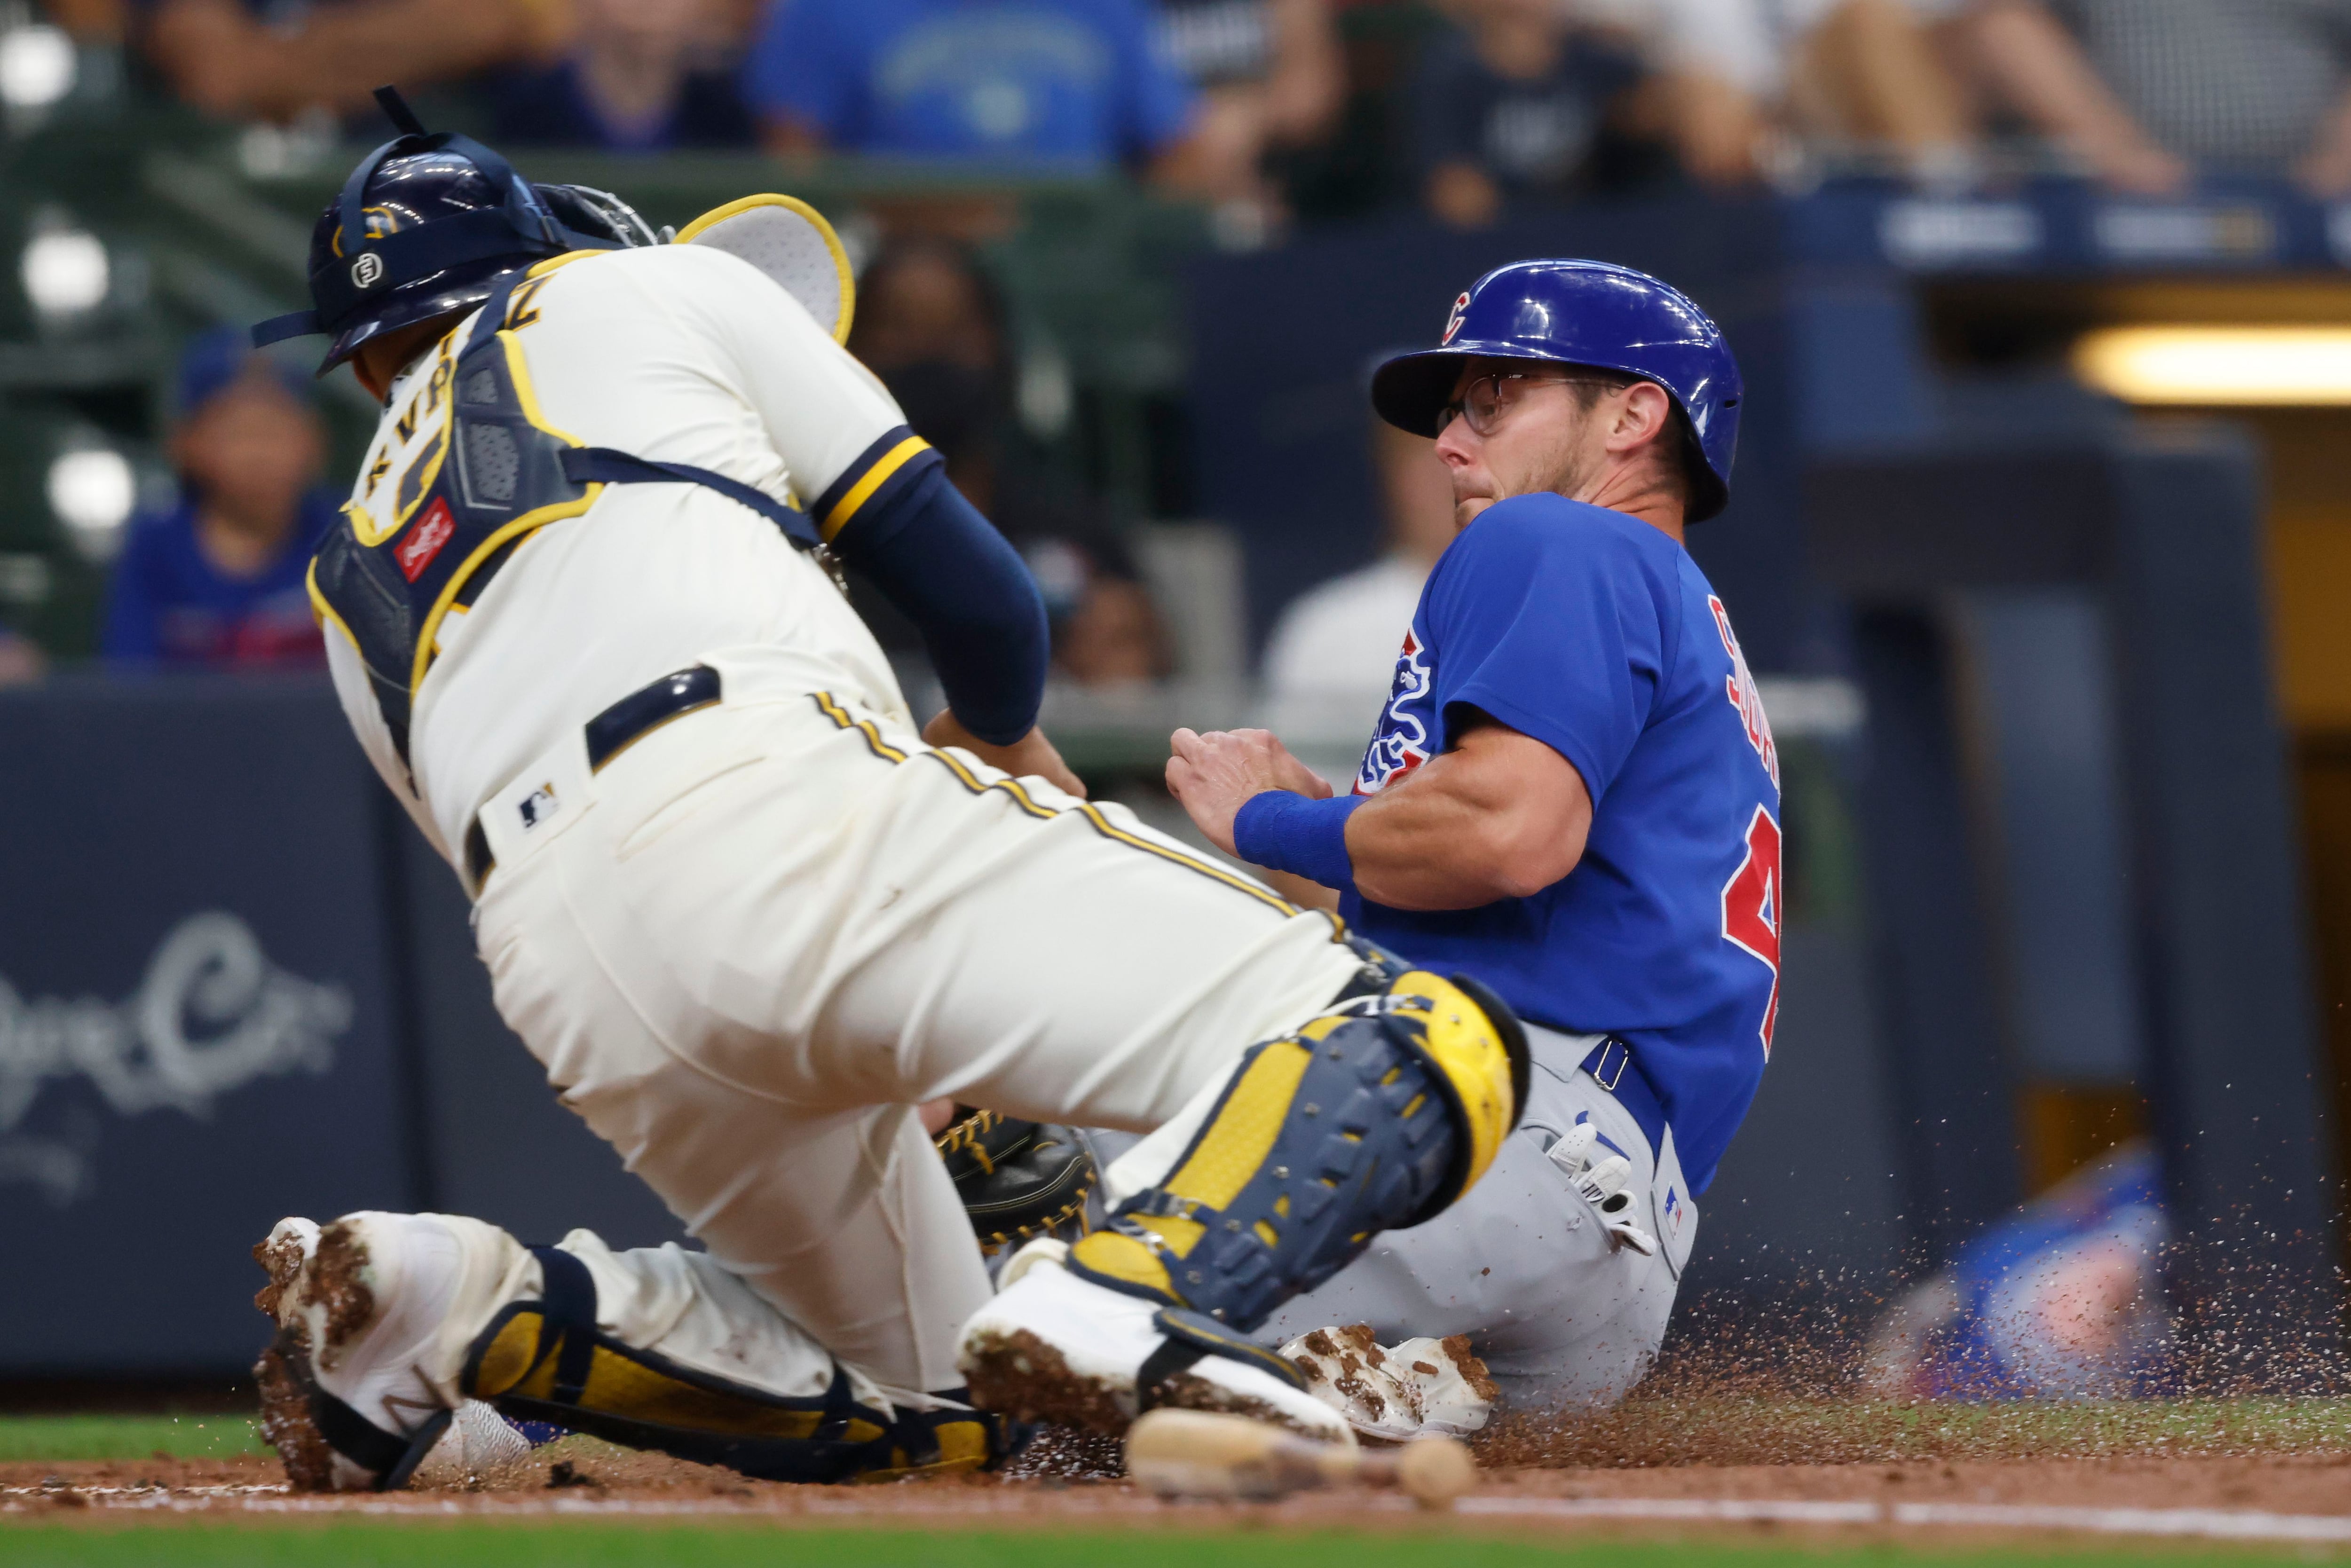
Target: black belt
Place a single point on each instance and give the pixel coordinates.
(612, 732)
(1611, 1067)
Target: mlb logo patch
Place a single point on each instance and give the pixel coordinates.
(1674, 1211)
(538, 807)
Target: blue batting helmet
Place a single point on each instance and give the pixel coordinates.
(426, 225)
(1581, 313)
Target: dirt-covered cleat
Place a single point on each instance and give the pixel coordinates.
(360, 1306)
(1422, 1387)
(1054, 1347)
(1347, 1369)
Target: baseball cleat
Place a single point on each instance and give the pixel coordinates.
(360, 1306)
(1420, 1388)
(1054, 1347)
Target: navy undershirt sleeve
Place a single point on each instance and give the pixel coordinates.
(946, 569)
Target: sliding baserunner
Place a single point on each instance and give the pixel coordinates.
(1573, 794)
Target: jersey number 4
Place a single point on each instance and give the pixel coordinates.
(1750, 908)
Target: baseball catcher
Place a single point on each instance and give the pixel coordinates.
(579, 615)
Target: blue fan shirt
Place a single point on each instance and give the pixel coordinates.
(1086, 83)
(168, 605)
(1596, 635)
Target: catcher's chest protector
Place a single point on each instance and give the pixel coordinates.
(461, 471)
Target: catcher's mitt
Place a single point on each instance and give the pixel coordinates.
(1019, 1180)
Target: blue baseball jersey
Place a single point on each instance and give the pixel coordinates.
(1596, 635)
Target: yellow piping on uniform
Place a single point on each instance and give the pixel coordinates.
(1109, 829)
(840, 715)
(363, 525)
(888, 464)
(831, 708)
(528, 523)
(320, 610)
(524, 393)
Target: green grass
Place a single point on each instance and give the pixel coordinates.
(391, 1543)
(35, 1440)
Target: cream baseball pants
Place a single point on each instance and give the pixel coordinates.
(757, 937)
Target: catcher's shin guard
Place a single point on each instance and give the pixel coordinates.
(1375, 1115)
(544, 1360)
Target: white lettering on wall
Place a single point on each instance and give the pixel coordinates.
(212, 1015)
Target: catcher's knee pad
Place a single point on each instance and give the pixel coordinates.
(1376, 1115)
(547, 1361)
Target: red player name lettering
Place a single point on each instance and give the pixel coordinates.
(1751, 908)
(1745, 696)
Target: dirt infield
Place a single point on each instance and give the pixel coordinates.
(2251, 1495)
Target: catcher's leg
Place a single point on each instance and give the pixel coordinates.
(1565, 1303)
(1376, 1115)
(786, 905)
(779, 915)
(387, 1322)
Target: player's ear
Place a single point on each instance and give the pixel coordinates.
(1646, 415)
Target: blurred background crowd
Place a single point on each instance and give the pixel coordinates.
(1281, 111)
(1125, 263)
(1272, 116)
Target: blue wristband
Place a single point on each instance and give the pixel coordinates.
(1307, 838)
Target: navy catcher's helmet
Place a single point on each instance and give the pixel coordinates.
(426, 225)
(1582, 313)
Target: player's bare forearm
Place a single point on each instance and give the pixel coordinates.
(1500, 816)
(1301, 891)
(1031, 756)
(1215, 774)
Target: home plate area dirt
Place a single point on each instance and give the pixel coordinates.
(2247, 1470)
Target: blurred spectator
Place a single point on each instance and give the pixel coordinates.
(1510, 107)
(2150, 90)
(2061, 1300)
(1864, 73)
(1074, 81)
(1270, 76)
(273, 59)
(21, 662)
(640, 75)
(1333, 651)
(218, 581)
(932, 325)
(89, 21)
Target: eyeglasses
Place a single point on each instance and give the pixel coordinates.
(1483, 404)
